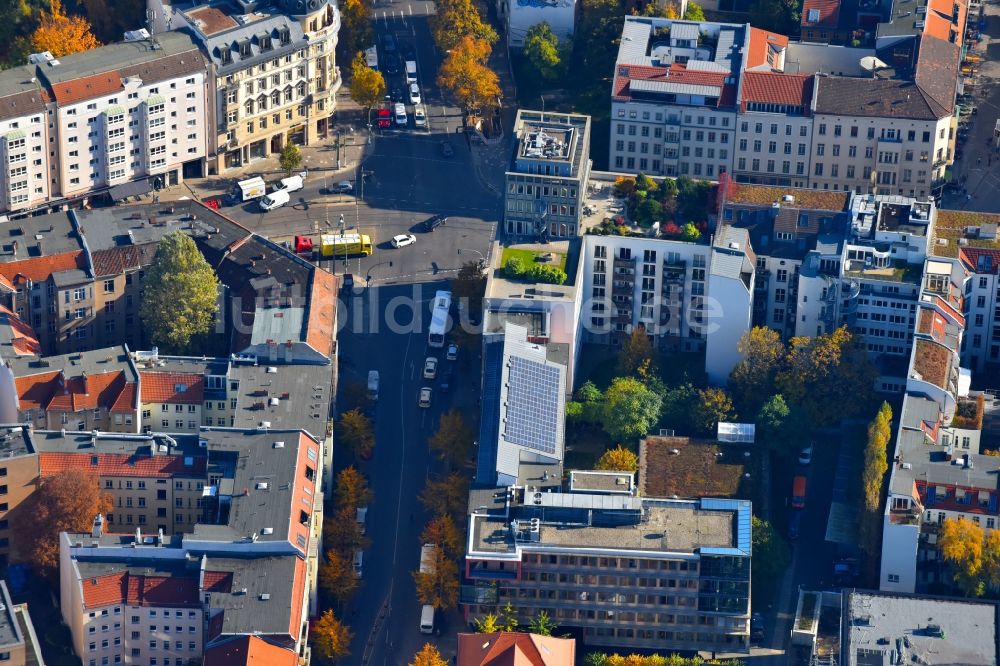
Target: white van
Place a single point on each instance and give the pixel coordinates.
(411, 71)
(427, 619)
(359, 556)
(400, 112)
(251, 188)
(275, 199)
(293, 183)
(373, 384)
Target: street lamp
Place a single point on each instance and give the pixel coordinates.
(482, 259)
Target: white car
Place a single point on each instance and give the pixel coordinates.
(424, 397)
(414, 93)
(402, 240)
(452, 352)
(430, 367)
(343, 187)
(399, 111)
(806, 455)
(419, 116)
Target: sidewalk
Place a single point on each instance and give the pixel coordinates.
(319, 158)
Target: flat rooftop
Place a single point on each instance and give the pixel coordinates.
(15, 440)
(560, 140)
(918, 630)
(10, 632)
(613, 523)
(960, 228)
(684, 467)
(286, 396)
(601, 481)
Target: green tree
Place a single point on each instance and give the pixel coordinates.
(694, 12)
(542, 624)
(769, 551)
(180, 294)
(596, 44)
(618, 459)
(781, 16)
(777, 427)
(692, 198)
(587, 406)
(752, 380)
(453, 439)
(367, 84)
(876, 457)
(508, 617)
(636, 352)
(489, 624)
(679, 404)
(542, 50)
(630, 409)
(355, 432)
(690, 233)
(15, 15)
(713, 405)
(648, 212)
(290, 158)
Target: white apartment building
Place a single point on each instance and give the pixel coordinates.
(273, 74)
(126, 112)
(24, 140)
(981, 350)
(687, 296)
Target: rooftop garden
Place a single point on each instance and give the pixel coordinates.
(533, 265)
(969, 413)
(950, 226)
(899, 273)
(677, 209)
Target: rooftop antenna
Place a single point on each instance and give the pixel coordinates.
(150, 22)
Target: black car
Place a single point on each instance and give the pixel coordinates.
(434, 222)
(447, 376)
(392, 64)
(348, 281)
(756, 628)
(793, 525)
(389, 43)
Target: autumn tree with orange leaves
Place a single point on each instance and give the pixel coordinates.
(466, 77)
(62, 35)
(331, 638)
(65, 502)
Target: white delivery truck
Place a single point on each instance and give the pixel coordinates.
(373, 384)
(411, 71)
(427, 553)
(275, 199)
(251, 188)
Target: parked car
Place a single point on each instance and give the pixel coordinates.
(446, 379)
(343, 187)
(400, 113)
(424, 397)
(384, 117)
(793, 525)
(389, 42)
(447, 150)
(756, 627)
(806, 455)
(452, 353)
(419, 116)
(430, 367)
(414, 93)
(392, 65)
(402, 240)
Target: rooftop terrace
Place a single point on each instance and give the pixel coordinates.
(960, 228)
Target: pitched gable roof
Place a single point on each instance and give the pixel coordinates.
(777, 88)
(39, 269)
(827, 14)
(86, 87)
(249, 651)
(177, 388)
(514, 649)
(763, 46)
(133, 589)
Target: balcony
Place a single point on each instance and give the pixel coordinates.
(621, 262)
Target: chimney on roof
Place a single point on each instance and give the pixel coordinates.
(86, 383)
(98, 528)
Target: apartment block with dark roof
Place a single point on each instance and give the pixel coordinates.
(24, 140)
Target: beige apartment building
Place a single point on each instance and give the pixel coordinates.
(18, 479)
(24, 140)
(273, 75)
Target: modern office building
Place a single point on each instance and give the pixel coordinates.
(548, 174)
(273, 74)
(626, 571)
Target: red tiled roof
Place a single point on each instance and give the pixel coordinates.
(970, 258)
(5, 283)
(218, 581)
(761, 43)
(298, 592)
(139, 590)
(22, 339)
(638, 73)
(249, 650)
(320, 328)
(829, 14)
(52, 390)
(39, 269)
(514, 649)
(775, 88)
(119, 464)
(87, 87)
(161, 387)
(938, 20)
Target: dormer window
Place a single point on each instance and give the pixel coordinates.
(265, 42)
(285, 37)
(245, 49)
(813, 16)
(227, 56)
